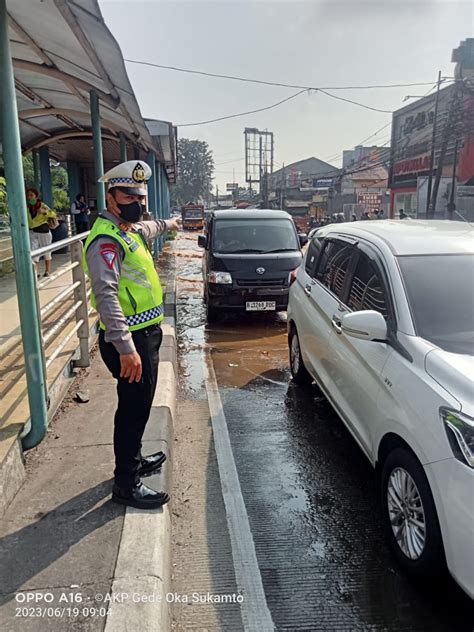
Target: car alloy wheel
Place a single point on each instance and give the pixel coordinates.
(406, 512)
(295, 354)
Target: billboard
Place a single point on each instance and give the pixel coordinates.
(231, 186)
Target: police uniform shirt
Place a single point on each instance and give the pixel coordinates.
(104, 258)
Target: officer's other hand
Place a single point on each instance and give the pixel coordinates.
(173, 224)
(131, 367)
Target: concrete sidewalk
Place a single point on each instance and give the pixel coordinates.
(64, 544)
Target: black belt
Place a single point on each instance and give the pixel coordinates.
(147, 330)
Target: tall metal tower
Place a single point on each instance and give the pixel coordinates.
(258, 158)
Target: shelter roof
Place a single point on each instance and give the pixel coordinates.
(61, 50)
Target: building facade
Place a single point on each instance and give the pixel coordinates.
(413, 128)
(305, 188)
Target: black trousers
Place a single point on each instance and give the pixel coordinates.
(134, 401)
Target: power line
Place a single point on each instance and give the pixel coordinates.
(230, 116)
(227, 162)
(362, 105)
(274, 105)
(276, 83)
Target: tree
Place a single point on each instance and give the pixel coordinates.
(196, 167)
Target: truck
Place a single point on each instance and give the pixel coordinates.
(192, 216)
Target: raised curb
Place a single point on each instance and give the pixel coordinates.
(143, 568)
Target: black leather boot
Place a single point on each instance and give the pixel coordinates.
(151, 463)
(139, 496)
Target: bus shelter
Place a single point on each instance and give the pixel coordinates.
(66, 96)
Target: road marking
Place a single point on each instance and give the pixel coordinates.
(256, 616)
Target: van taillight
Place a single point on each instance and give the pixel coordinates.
(292, 276)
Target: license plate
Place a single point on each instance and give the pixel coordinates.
(260, 306)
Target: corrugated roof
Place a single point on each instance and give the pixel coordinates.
(61, 50)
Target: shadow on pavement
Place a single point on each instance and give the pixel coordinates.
(27, 552)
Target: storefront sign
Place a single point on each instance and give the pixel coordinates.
(315, 184)
(412, 165)
(370, 201)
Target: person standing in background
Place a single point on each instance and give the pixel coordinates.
(81, 211)
(40, 221)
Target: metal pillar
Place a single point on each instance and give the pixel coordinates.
(167, 196)
(152, 194)
(26, 292)
(45, 171)
(74, 180)
(159, 190)
(98, 156)
(123, 147)
(159, 198)
(150, 158)
(36, 169)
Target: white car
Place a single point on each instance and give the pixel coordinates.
(381, 317)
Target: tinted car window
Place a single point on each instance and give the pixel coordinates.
(314, 249)
(333, 264)
(254, 235)
(441, 298)
(366, 291)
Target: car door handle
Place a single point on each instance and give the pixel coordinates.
(307, 289)
(336, 324)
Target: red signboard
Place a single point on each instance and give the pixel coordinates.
(412, 165)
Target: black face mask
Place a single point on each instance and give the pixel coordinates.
(131, 212)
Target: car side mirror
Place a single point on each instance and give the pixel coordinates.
(303, 237)
(202, 241)
(365, 325)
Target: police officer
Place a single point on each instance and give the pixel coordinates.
(126, 292)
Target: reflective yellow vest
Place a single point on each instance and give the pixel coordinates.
(139, 292)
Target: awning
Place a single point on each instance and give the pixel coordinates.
(165, 137)
(62, 50)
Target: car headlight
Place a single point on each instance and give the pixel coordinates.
(460, 431)
(219, 277)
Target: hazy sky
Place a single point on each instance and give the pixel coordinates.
(314, 43)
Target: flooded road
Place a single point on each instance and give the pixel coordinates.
(310, 494)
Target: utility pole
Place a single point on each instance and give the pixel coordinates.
(430, 211)
(283, 188)
(452, 203)
(217, 196)
(450, 126)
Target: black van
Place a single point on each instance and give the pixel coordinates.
(250, 260)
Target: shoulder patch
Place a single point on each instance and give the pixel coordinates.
(109, 253)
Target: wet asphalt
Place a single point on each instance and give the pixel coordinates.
(311, 496)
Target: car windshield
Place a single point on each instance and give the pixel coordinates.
(254, 236)
(441, 297)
